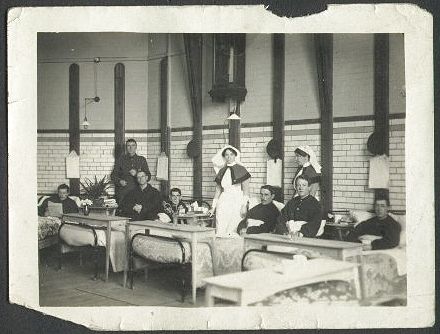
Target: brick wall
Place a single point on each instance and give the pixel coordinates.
(51, 151)
(350, 159)
(351, 164)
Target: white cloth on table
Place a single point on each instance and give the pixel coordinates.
(228, 207)
(274, 172)
(379, 175)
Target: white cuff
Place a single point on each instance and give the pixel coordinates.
(214, 203)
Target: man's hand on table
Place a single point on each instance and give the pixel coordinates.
(137, 208)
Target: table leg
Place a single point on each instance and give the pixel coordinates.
(127, 252)
(107, 249)
(361, 275)
(193, 267)
(357, 283)
(209, 300)
(341, 238)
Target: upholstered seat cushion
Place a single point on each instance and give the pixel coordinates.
(214, 257)
(162, 250)
(330, 292)
(48, 227)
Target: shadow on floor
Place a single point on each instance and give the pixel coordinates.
(73, 285)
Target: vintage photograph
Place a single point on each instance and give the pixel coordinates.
(221, 169)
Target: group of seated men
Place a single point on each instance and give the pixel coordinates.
(301, 214)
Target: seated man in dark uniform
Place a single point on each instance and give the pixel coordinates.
(382, 225)
(266, 212)
(62, 196)
(174, 205)
(143, 202)
(302, 213)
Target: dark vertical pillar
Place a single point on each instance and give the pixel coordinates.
(381, 94)
(194, 52)
(165, 131)
(74, 134)
(240, 60)
(324, 62)
(381, 87)
(238, 41)
(119, 116)
(278, 64)
(221, 57)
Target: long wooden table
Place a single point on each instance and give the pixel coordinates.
(98, 220)
(190, 232)
(339, 250)
(244, 288)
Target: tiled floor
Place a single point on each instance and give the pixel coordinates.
(73, 286)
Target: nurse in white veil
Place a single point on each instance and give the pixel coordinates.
(232, 191)
(308, 166)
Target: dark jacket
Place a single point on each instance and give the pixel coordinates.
(310, 172)
(307, 209)
(121, 171)
(386, 228)
(150, 200)
(169, 208)
(238, 174)
(69, 205)
(267, 213)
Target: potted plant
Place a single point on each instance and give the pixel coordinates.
(96, 190)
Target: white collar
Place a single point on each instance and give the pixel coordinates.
(230, 165)
(307, 164)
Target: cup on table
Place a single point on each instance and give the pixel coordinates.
(366, 244)
(292, 227)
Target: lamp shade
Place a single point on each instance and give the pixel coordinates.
(85, 124)
(233, 117)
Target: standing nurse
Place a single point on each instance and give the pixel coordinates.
(231, 193)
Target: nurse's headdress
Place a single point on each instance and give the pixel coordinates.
(307, 150)
(218, 160)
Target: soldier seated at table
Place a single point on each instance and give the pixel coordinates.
(302, 214)
(143, 202)
(62, 196)
(379, 232)
(174, 204)
(263, 216)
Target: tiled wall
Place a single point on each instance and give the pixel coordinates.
(350, 159)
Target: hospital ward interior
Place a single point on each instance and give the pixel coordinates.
(220, 170)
